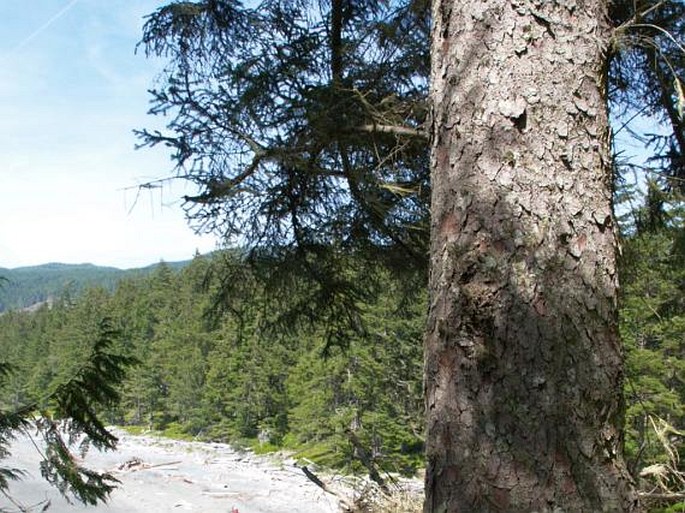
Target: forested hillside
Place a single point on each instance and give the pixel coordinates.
(226, 368)
(238, 375)
(28, 286)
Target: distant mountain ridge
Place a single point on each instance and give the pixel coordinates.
(24, 287)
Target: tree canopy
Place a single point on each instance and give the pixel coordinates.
(646, 78)
(66, 414)
(303, 125)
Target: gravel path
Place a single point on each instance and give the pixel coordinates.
(160, 475)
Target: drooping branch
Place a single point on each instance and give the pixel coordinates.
(259, 118)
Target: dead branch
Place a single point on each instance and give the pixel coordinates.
(345, 502)
(394, 129)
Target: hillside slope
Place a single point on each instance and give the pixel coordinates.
(28, 286)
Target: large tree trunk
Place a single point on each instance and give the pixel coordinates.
(523, 363)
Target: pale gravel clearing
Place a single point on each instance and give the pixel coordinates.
(179, 477)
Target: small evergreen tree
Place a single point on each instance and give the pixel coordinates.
(68, 414)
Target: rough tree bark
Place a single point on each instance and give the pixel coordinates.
(523, 363)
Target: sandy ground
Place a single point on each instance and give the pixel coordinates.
(176, 477)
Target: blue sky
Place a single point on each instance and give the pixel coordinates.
(72, 91)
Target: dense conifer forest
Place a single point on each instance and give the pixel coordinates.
(212, 367)
(237, 376)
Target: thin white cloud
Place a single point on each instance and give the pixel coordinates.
(44, 26)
